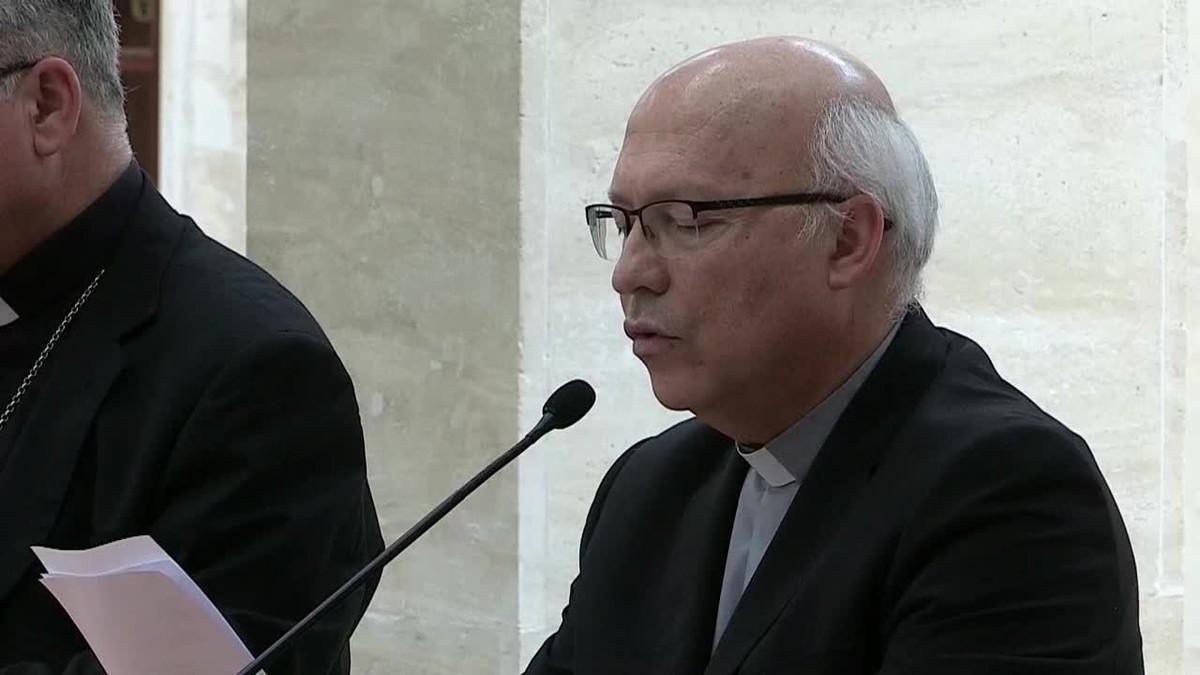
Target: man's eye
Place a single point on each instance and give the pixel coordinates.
(709, 221)
(672, 220)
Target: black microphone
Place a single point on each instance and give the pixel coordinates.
(566, 406)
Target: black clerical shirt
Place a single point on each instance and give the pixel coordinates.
(43, 286)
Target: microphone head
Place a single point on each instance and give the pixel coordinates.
(569, 403)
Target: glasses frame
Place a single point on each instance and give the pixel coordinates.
(698, 207)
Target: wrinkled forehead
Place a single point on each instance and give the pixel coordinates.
(688, 142)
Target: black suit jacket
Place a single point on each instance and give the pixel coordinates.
(947, 527)
(195, 400)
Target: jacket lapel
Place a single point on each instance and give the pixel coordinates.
(686, 598)
(74, 383)
(844, 465)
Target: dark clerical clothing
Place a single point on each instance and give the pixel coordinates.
(193, 399)
(946, 526)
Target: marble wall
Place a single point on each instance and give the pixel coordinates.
(1184, 276)
(203, 111)
(383, 188)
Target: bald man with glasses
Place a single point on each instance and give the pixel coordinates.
(859, 492)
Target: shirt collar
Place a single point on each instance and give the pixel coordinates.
(7, 315)
(71, 257)
(787, 459)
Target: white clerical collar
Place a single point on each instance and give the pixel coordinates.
(787, 459)
(7, 314)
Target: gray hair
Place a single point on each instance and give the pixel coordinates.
(83, 32)
(861, 147)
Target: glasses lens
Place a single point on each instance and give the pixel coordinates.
(607, 225)
(673, 226)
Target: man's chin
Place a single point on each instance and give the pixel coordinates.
(673, 393)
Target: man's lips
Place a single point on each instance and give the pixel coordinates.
(642, 328)
(648, 339)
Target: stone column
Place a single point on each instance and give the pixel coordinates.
(383, 189)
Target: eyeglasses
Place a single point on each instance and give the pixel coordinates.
(676, 227)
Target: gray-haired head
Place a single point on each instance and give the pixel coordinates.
(83, 32)
(828, 123)
(861, 146)
(736, 311)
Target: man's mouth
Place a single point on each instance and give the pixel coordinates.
(648, 339)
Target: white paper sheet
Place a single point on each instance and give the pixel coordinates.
(140, 612)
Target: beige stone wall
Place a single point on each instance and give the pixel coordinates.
(383, 187)
(1058, 136)
(1186, 191)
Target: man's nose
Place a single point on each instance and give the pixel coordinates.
(639, 267)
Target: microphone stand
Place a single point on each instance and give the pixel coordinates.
(544, 426)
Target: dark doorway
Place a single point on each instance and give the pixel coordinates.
(139, 22)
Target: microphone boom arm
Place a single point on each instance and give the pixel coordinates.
(544, 426)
